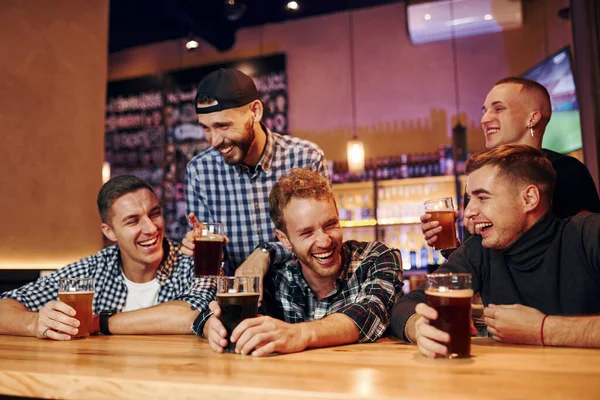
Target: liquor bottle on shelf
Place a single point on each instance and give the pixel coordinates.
(349, 206)
(416, 165)
(369, 170)
(386, 168)
(449, 160)
(424, 253)
(410, 167)
(379, 170)
(393, 168)
(413, 255)
(435, 164)
(423, 165)
(357, 209)
(367, 210)
(403, 166)
(437, 256)
(404, 252)
(342, 208)
(442, 160)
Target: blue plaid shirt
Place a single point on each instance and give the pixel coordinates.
(366, 290)
(238, 196)
(175, 276)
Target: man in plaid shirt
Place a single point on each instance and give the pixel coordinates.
(331, 293)
(143, 284)
(230, 181)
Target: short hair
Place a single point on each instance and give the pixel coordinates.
(518, 163)
(116, 188)
(301, 183)
(535, 89)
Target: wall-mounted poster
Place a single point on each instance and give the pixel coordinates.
(152, 131)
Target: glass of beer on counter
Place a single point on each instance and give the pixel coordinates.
(79, 294)
(442, 210)
(208, 243)
(238, 299)
(450, 295)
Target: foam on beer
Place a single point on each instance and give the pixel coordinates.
(461, 293)
(215, 238)
(77, 292)
(237, 294)
(441, 209)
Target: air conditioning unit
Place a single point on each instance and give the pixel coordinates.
(431, 21)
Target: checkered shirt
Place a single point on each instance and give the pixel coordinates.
(175, 276)
(238, 196)
(368, 287)
(370, 284)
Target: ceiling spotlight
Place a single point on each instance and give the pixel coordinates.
(292, 5)
(192, 43)
(488, 17)
(234, 10)
(427, 17)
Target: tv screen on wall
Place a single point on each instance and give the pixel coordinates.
(563, 133)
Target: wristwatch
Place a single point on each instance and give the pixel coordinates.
(267, 248)
(104, 316)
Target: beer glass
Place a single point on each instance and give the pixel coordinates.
(78, 293)
(450, 294)
(442, 210)
(208, 243)
(238, 299)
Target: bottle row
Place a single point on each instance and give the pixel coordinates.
(386, 213)
(416, 254)
(397, 167)
(401, 200)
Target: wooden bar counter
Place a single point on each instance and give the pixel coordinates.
(176, 367)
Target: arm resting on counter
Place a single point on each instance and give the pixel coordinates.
(572, 331)
(55, 320)
(171, 318)
(16, 318)
(265, 335)
(333, 330)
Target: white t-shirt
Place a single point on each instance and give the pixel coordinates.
(141, 295)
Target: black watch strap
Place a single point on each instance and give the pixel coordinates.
(104, 316)
(267, 248)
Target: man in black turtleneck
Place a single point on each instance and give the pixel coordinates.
(538, 276)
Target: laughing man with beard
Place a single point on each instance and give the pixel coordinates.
(331, 293)
(231, 180)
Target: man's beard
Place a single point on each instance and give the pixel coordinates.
(314, 266)
(245, 144)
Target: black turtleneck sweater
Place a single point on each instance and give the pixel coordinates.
(553, 267)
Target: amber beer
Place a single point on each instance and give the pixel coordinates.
(82, 304)
(236, 307)
(207, 256)
(450, 295)
(78, 293)
(442, 210)
(447, 237)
